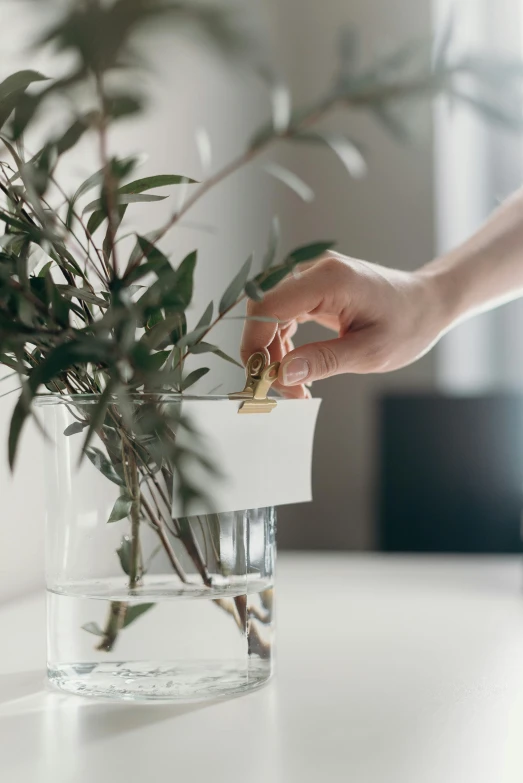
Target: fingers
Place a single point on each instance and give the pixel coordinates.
(297, 296)
(354, 352)
(278, 349)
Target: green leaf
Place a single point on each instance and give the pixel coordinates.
(97, 417)
(272, 248)
(20, 414)
(155, 336)
(191, 338)
(137, 251)
(12, 363)
(174, 287)
(274, 277)
(81, 293)
(209, 348)
(59, 306)
(102, 463)
(253, 291)
(193, 377)
(124, 554)
(159, 181)
(122, 105)
(206, 318)
(290, 179)
(95, 221)
(19, 81)
(183, 281)
(93, 628)
(74, 133)
(130, 198)
(264, 319)
(25, 110)
(75, 427)
(346, 150)
(45, 269)
(157, 360)
(122, 508)
(234, 290)
(134, 611)
(309, 252)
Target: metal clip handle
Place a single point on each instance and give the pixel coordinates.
(260, 377)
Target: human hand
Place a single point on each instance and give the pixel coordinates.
(385, 320)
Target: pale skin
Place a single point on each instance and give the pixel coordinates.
(385, 319)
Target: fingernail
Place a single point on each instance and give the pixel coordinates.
(295, 371)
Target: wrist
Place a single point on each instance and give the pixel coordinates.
(444, 290)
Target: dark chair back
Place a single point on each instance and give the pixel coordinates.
(451, 473)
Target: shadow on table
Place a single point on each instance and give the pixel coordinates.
(27, 701)
(20, 685)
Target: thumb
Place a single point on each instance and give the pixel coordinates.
(351, 353)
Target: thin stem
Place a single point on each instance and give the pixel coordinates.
(134, 492)
(109, 185)
(115, 621)
(157, 524)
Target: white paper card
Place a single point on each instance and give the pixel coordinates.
(265, 458)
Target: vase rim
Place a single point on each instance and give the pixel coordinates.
(52, 398)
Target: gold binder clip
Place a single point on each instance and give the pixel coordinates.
(260, 377)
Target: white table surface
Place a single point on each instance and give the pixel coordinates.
(397, 670)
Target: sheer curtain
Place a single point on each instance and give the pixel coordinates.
(476, 167)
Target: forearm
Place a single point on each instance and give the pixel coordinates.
(485, 271)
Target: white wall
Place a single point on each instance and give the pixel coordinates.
(387, 218)
(478, 166)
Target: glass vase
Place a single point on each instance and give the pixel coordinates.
(143, 605)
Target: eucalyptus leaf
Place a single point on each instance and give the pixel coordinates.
(124, 554)
(210, 348)
(161, 330)
(206, 318)
(272, 247)
(273, 277)
(193, 377)
(309, 252)
(158, 181)
(83, 294)
(93, 628)
(134, 611)
(234, 290)
(95, 221)
(191, 338)
(19, 81)
(290, 179)
(103, 464)
(346, 150)
(125, 198)
(121, 509)
(253, 291)
(76, 427)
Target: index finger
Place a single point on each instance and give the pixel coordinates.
(294, 297)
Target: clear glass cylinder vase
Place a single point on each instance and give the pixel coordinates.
(143, 605)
